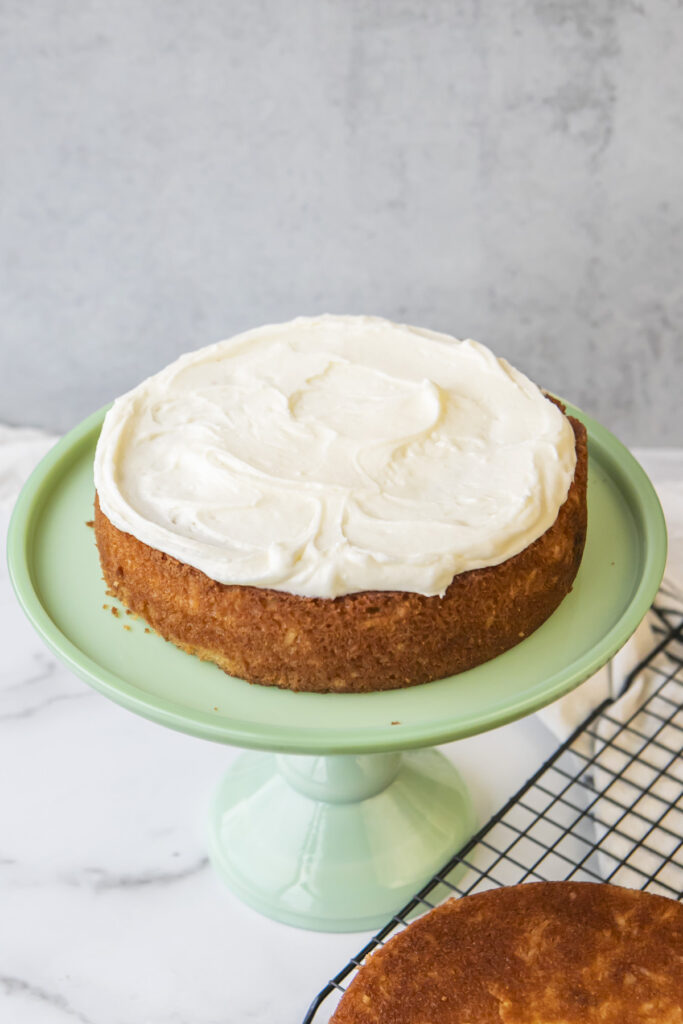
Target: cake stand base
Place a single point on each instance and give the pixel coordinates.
(337, 842)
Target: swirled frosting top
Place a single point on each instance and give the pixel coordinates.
(336, 454)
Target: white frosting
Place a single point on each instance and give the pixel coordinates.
(336, 454)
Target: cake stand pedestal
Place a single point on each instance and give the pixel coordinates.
(337, 842)
(328, 825)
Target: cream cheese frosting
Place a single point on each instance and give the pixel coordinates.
(335, 454)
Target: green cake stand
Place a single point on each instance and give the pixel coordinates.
(340, 810)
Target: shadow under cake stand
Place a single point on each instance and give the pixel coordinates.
(340, 810)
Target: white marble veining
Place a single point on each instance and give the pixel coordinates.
(109, 911)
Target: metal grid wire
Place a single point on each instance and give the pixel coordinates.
(606, 807)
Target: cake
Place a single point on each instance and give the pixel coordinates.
(341, 504)
(538, 953)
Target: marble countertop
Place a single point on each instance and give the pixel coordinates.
(109, 910)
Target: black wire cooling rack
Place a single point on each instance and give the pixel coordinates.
(606, 807)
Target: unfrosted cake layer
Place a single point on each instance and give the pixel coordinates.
(560, 952)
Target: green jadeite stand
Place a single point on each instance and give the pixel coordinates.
(324, 823)
(336, 842)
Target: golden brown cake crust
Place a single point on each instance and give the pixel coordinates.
(539, 953)
(374, 640)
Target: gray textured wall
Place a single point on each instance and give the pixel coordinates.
(173, 172)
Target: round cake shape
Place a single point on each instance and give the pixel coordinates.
(521, 525)
(542, 952)
(374, 640)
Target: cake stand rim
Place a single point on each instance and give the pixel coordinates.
(252, 735)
